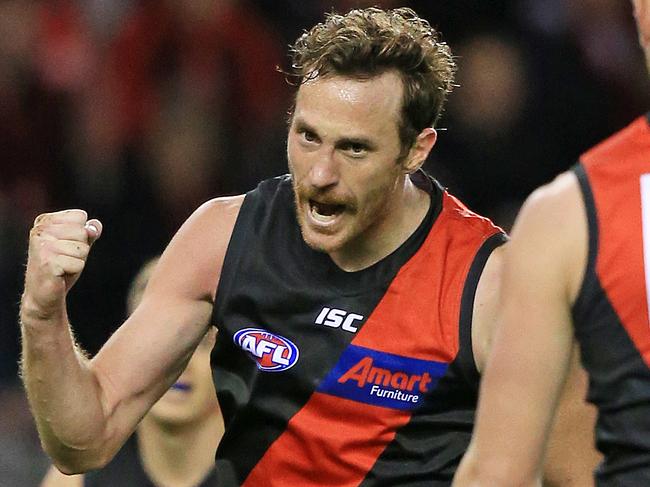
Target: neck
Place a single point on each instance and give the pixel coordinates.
(179, 456)
(403, 215)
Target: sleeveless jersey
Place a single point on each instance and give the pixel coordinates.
(334, 378)
(126, 470)
(611, 312)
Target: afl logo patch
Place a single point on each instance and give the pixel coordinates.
(271, 352)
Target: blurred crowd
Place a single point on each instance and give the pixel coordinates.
(139, 110)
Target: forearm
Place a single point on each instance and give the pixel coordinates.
(63, 392)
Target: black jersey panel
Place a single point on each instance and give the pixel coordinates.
(592, 224)
(619, 384)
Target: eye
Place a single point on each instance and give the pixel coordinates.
(308, 135)
(355, 149)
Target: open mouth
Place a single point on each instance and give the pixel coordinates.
(324, 212)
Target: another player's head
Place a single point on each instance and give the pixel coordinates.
(138, 285)
(192, 397)
(372, 83)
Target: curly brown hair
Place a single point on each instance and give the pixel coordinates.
(368, 42)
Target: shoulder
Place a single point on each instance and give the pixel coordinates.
(459, 214)
(207, 231)
(271, 186)
(195, 255)
(551, 231)
(561, 199)
(551, 217)
(216, 212)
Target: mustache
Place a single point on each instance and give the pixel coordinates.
(324, 197)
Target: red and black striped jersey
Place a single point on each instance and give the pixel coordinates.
(334, 378)
(611, 311)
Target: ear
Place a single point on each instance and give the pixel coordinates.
(420, 150)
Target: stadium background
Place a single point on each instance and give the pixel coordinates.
(139, 110)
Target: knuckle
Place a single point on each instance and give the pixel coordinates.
(60, 265)
(75, 266)
(40, 218)
(37, 229)
(82, 235)
(82, 250)
(40, 230)
(77, 214)
(77, 231)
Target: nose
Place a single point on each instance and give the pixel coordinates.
(324, 171)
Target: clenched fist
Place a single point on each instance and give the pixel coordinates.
(58, 248)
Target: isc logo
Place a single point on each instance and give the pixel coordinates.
(336, 318)
(271, 352)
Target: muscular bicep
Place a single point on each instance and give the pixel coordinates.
(150, 350)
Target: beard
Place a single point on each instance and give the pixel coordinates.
(308, 200)
(358, 218)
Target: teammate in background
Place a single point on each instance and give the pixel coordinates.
(175, 442)
(354, 297)
(578, 267)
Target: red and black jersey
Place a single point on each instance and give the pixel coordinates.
(611, 311)
(334, 378)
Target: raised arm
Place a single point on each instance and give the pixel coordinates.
(531, 353)
(85, 409)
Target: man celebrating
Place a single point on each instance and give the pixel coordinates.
(354, 297)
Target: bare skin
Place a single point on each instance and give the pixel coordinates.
(178, 437)
(342, 149)
(541, 276)
(157, 339)
(354, 201)
(642, 16)
(571, 453)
